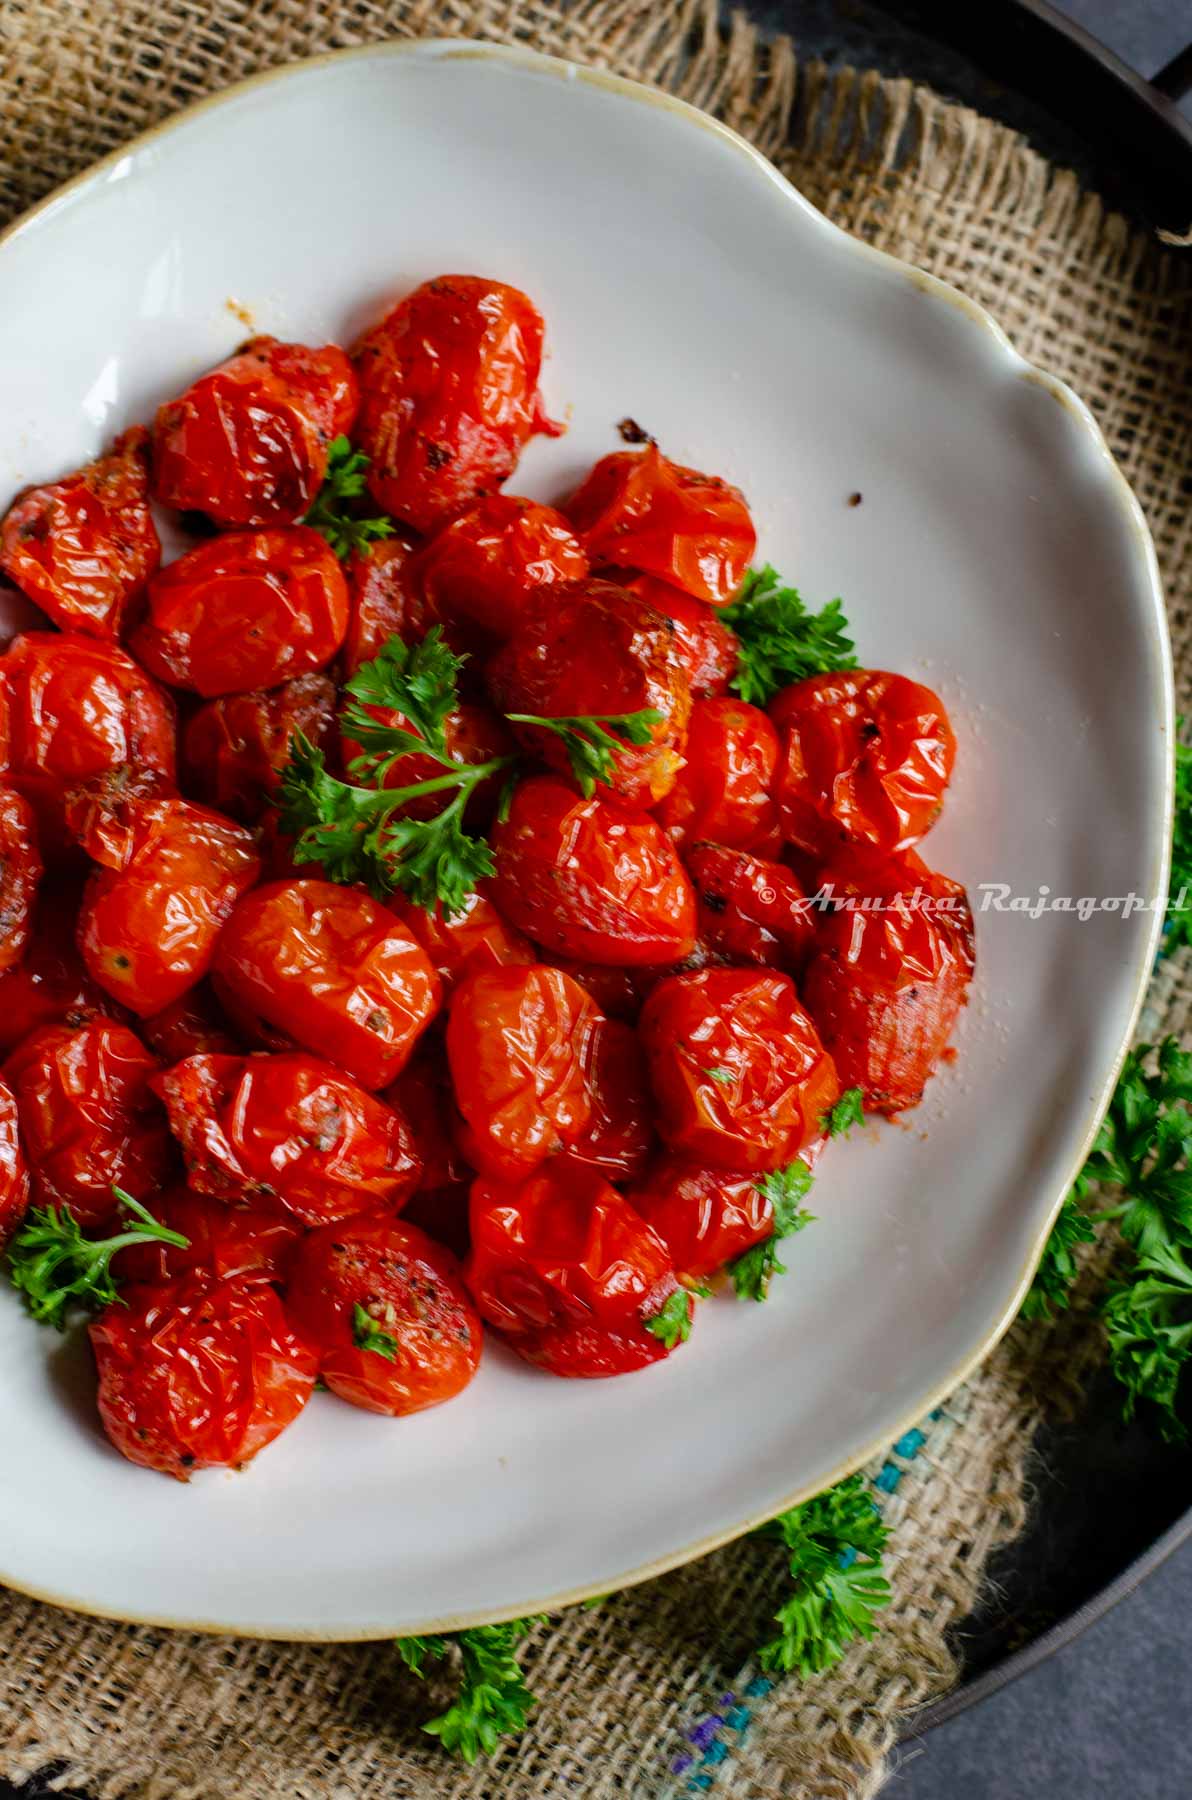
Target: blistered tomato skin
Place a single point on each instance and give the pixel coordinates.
(866, 757)
(247, 443)
(70, 709)
(487, 563)
(517, 1043)
(566, 1269)
(448, 396)
(641, 511)
(234, 749)
(591, 878)
(20, 875)
(256, 1242)
(616, 992)
(751, 910)
(249, 609)
(83, 548)
(50, 985)
(89, 1118)
(471, 941)
(333, 969)
(198, 1374)
(723, 792)
(619, 1135)
(412, 1292)
(148, 926)
(593, 648)
(705, 1217)
(706, 650)
(381, 600)
(885, 986)
(740, 1076)
(288, 1128)
(14, 1170)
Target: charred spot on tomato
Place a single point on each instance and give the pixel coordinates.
(714, 902)
(633, 433)
(437, 455)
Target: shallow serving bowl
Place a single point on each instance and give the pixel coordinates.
(996, 554)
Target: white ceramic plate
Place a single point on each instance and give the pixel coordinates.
(997, 555)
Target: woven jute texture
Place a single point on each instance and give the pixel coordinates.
(633, 1691)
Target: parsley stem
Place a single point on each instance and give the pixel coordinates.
(464, 776)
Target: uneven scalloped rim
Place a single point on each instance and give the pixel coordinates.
(1118, 489)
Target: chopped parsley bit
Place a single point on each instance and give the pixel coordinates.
(846, 1113)
(55, 1268)
(331, 513)
(723, 1077)
(753, 1270)
(590, 745)
(367, 1334)
(671, 1324)
(835, 1544)
(780, 640)
(493, 1701)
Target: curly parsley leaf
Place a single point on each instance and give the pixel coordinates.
(1142, 1148)
(55, 1268)
(722, 1077)
(334, 513)
(754, 1269)
(1149, 1322)
(592, 740)
(671, 1324)
(846, 1113)
(835, 1544)
(493, 1701)
(780, 639)
(1050, 1291)
(419, 681)
(1179, 913)
(369, 1334)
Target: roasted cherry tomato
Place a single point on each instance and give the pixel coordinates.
(616, 991)
(84, 547)
(471, 733)
(335, 970)
(866, 757)
(247, 443)
(71, 708)
(14, 1170)
(422, 1095)
(620, 1133)
(234, 749)
(705, 1217)
(195, 1025)
(49, 986)
(723, 793)
(750, 910)
(448, 396)
(149, 923)
(291, 1128)
(386, 1311)
(568, 1271)
(637, 510)
(489, 560)
(20, 875)
(592, 648)
(89, 1118)
(591, 878)
(517, 1042)
(246, 610)
(222, 1241)
(884, 985)
(705, 648)
(740, 1075)
(381, 600)
(472, 940)
(199, 1374)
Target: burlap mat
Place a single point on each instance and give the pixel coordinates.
(652, 1695)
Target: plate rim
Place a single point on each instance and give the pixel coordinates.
(559, 68)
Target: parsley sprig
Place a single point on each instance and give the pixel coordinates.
(367, 1334)
(671, 1324)
(333, 512)
(835, 1543)
(780, 639)
(1179, 918)
(752, 1271)
(493, 1700)
(56, 1269)
(592, 740)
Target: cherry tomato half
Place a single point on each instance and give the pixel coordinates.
(593, 648)
(247, 443)
(448, 395)
(705, 648)
(290, 1128)
(637, 510)
(740, 1075)
(199, 1374)
(381, 600)
(89, 1118)
(422, 1343)
(222, 1241)
(84, 547)
(517, 1042)
(591, 878)
(705, 1217)
(14, 1170)
(489, 560)
(866, 757)
(335, 970)
(246, 610)
(723, 793)
(148, 927)
(234, 749)
(472, 940)
(20, 875)
(50, 986)
(885, 986)
(750, 910)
